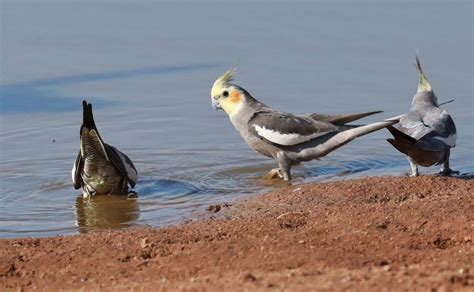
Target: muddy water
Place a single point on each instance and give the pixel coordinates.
(148, 67)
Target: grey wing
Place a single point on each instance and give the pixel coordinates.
(443, 126)
(434, 128)
(76, 171)
(412, 125)
(287, 129)
(123, 163)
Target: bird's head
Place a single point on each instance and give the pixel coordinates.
(424, 93)
(226, 96)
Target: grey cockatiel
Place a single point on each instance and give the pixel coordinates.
(287, 138)
(100, 168)
(426, 133)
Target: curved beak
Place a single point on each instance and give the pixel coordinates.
(215, 104)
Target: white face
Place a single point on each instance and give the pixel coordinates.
(222, 94)
(230, 98)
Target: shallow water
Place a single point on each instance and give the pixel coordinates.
(148, 67)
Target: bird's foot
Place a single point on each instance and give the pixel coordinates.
(132, 194)
(274, 174)
(414, 174)
(448, 172)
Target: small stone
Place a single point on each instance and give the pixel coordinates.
(292, 219)
(386, 268)
(144, 242)
(250, 277)
(214, 208)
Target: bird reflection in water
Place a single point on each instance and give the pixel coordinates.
(106, 212)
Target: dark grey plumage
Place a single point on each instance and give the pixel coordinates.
(426, 133)
(100, 168)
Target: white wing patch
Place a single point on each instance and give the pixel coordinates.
(283, 139)
(131, 172)
(450, 140)
(73, 173)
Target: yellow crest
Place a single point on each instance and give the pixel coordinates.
(222, 81)
(423, 84)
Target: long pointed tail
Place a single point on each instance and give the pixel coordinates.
(88, 117)
(402, 141)
(345, 137)
(342, 119)
(91, 142)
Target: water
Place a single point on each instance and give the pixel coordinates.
(148, 66)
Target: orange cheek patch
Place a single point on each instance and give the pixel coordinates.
(235, 97)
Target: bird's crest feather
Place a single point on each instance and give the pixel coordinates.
(222, 81)
(423, 84)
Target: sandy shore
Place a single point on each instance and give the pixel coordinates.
(371, 233)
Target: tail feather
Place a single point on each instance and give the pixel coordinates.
(342, 138)
(402, 141)
(399, 135)
(91, 142)
(88, 117)
(399, 146)
(342, 119)
(412, 148)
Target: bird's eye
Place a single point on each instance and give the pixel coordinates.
(225, 93)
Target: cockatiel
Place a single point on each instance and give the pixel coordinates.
(287, 138)
(426, 133)
(100, 168)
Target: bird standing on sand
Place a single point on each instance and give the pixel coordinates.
(287, 138)
(100, 168)
(426, 133)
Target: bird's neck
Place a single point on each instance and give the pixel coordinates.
(424, 99)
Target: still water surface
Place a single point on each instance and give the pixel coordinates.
(148, 67)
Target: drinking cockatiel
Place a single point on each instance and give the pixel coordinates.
(100, 168)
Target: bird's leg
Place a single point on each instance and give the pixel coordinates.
(285, 165)
(446, 170)
(414, 168)
(286, 174)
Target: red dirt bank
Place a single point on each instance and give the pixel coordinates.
(371, 233)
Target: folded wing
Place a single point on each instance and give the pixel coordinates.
(430, 128)
(122, 163)
(287, 129)
(76, 171)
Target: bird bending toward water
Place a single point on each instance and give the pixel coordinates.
(100, 168)
(287, 138)
(426, 133)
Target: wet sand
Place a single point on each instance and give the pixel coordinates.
(364, 234)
